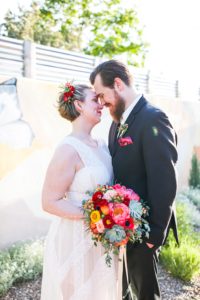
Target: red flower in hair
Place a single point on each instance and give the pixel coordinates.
(68, 92)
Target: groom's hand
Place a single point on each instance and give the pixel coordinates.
(150, 245)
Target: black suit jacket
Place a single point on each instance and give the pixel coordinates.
(148, 165)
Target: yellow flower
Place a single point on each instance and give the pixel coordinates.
(95, 216)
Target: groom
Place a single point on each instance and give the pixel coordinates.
(144, 157)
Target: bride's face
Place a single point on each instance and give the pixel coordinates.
(91, 107)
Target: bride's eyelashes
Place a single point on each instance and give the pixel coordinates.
(95, 100)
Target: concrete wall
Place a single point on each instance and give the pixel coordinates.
(22, 169)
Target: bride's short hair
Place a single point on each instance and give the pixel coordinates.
(66, 108)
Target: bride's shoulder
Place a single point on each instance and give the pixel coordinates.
(66, 145)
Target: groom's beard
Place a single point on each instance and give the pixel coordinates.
(119, 108)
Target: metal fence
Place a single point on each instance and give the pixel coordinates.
(11, 57)
(27, 59)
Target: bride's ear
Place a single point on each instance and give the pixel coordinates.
(78, 105)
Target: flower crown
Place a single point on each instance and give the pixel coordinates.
(69, 91)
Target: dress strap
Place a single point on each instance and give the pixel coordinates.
(82, 149)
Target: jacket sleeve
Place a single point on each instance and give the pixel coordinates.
(160, 156)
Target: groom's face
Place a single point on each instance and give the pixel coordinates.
(110, 98)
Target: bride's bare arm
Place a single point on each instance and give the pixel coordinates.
(59, 176)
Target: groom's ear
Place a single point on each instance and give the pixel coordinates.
(118, 84)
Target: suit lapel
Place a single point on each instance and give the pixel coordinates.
(112, 138)
(129, 121)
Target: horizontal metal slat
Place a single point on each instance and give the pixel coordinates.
(63, 55)
(11, 57)
(9, 40)
(59, 60)
(71, 53)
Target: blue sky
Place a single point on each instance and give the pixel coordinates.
(172, 28)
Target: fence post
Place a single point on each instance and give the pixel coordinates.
(29, 59)
(177, 89)
(148, 84)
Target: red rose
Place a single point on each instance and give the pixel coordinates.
(103, 202)
(68, 92)
(125, 141)
(97, 196)
(108, 222)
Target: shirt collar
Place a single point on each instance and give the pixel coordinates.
(127, 112)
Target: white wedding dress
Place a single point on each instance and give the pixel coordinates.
(75, 269)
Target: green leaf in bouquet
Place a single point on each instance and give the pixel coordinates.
(108, 259)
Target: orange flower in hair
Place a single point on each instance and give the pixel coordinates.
(68, 94)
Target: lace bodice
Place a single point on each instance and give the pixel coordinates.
(97, 169)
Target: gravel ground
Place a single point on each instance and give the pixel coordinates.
(171, 289)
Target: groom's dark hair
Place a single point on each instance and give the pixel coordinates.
(109, 70)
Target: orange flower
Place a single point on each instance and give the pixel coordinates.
(105, 209)
(93, 228)
(122, 243)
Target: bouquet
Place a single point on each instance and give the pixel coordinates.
(115, 215)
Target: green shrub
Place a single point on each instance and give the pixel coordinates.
(20, 263)
(7, 269)
(194, 180)
(182, 261)
(193, 194)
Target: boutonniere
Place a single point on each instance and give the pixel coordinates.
(125, 141)
(121, 130)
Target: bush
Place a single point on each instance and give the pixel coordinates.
(182, 261)
(194, 180)
(20, 263)
(193, 194)
(7, 269)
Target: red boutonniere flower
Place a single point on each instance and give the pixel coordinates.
(68, 92)
(125, 141)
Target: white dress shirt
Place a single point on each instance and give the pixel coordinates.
(127, 112)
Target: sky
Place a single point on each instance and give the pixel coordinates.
(171, 27)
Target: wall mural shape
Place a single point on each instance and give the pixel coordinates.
(14, 131)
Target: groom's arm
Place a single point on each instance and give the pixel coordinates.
(160, 156)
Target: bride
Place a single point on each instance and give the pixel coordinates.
(74, 269)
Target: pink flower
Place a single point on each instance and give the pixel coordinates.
(128, 194)
(125, 141)
(119, 212)
(131, 195)
(120, 189)
(109, 194)
(100, 226)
